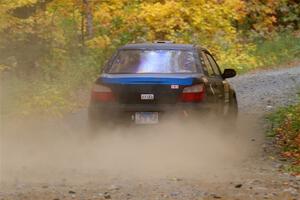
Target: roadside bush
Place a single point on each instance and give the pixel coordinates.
(279, 49)
(49, 92)
(286, 130)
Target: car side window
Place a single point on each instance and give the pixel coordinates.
(207, 65)
(203, 65)
(214, 65)
(201, 60)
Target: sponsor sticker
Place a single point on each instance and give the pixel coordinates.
(174, 87)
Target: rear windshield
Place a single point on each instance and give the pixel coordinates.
(153, 61)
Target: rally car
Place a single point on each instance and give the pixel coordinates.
(147, 82)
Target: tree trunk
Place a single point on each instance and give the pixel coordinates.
(88, 19)
(82, 32)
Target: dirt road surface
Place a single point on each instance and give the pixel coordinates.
(56, 159)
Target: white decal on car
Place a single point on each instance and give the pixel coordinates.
(174, 87)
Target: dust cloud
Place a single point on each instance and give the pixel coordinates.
(38, 150)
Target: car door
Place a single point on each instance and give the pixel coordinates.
(214, 77)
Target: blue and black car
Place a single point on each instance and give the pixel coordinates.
(144, 83)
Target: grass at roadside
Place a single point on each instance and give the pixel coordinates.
(281, 49)
(286, 132)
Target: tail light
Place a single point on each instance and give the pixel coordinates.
(102, 93)
(195, 93)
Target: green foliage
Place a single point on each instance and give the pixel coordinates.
(294, 169)
(286, 130)
(51, 92)
(280, 49)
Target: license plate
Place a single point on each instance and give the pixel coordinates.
(147, 96)
(146, 117)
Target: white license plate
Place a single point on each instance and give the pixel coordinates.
(147, 96)
(146, 117)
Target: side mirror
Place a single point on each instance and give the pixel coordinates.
(228, 73)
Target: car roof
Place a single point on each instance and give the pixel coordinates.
(158, 45)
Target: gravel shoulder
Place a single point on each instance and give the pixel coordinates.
(54, 160)
(263, 91)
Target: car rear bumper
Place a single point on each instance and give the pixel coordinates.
(114, 111)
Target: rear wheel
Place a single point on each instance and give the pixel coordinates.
(93, 122)
(231, 114)
(233, 108)
(100, 123)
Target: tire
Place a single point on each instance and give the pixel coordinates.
(233, 108)
(231, 115)
(102, 124)
(97, 124)
(93, 122)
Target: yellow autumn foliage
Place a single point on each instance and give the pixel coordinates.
(204, 22)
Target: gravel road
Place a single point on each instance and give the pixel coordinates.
(54, 160)
(266, 90)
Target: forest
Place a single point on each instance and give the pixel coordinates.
(52, 50)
